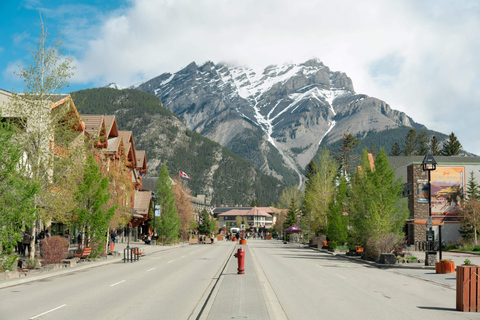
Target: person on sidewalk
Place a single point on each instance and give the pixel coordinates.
(113, 236)
(26, 243)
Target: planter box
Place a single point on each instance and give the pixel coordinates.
(193, 241)
(388, 258)
(468, 289)
(220, 237)
(444, 267)
(243, 241)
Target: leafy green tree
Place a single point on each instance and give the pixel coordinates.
(17, 192)
(471, 212)
(169, 225)
(376, 207)
(435, 146)
(319, 193)
(410, 143)
(345, 154)
(337, 229)
(422, 144)
(44, 75)
(287, 194)
(92, 216)
(452, 146)
(396, 150)
(205, 227)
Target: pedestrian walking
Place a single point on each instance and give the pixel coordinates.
(113, 236)
(26, 243)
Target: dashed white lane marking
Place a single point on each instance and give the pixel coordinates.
(341, 276)
(41, 314)
(319, 266)
(151, 269)
(117, 283)
(170, 261)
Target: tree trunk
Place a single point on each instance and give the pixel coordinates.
(31, 251)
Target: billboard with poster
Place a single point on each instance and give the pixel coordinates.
(447, 189)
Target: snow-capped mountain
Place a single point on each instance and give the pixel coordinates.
(276, 118)
(113, 85)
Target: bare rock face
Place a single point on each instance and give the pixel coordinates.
(276, 118)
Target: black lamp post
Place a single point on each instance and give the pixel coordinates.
(429, 164)
(154, 199)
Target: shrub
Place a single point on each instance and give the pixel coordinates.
(8, 262)
(384, 244)
(477, 248)
(450, 247)
(54, 249)
(32, 263)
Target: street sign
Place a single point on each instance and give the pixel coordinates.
(157, 210)
(242, 227)
(429, 222)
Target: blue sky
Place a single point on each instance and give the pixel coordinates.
(421, 57)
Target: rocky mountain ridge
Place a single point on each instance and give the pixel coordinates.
(276, 118)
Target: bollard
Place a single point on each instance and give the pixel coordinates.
(240, 255)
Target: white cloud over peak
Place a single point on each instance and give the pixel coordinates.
(420, 57)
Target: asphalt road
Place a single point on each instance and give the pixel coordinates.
(164, 285)
(295, 283)
(316, 285)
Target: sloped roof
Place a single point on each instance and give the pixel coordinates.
(255, 211)
(111, 126)
(113, 145)
(127, 138)
(142, 202)
(141, 159)
(93, 124)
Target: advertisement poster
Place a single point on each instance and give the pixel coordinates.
(448, 185)
(422, 191)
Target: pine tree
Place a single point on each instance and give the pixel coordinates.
(435, 146)
(205, 226)
(292, 213)
(422, 144)
(310, 170)
(396, 150)
(337, 229)
(376, 206)
(452, 147)
(345, 156)
(473, 191)
(410, 143)
(169, 225)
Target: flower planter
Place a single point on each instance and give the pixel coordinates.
(444, 267)
(468, 289)
(243, 241)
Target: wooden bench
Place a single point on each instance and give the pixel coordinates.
(138, 252)
(85, 253)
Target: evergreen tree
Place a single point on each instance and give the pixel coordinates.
(337, 229)
(93, 215)
(292, 213)
(169, 225)
(422, 144)
(204, 227)
(373, 149)
(473, 191)
(310, 170)
(452, 147)
(376, 206)
(345, 156)
(396, 150)
(435, 146)
(410, 143)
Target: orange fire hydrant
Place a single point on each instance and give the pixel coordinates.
(240, 255)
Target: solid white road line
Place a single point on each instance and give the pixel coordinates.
(117, 283)
(151, 269)
(41, 314)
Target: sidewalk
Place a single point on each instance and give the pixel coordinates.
(84, 264)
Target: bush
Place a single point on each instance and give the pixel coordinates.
(54, 249)
(450, 247)
(8, 262)
(384, 244)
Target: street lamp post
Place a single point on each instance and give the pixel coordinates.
(429, 164)
(154, 199)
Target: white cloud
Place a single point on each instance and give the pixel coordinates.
(425, 53)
